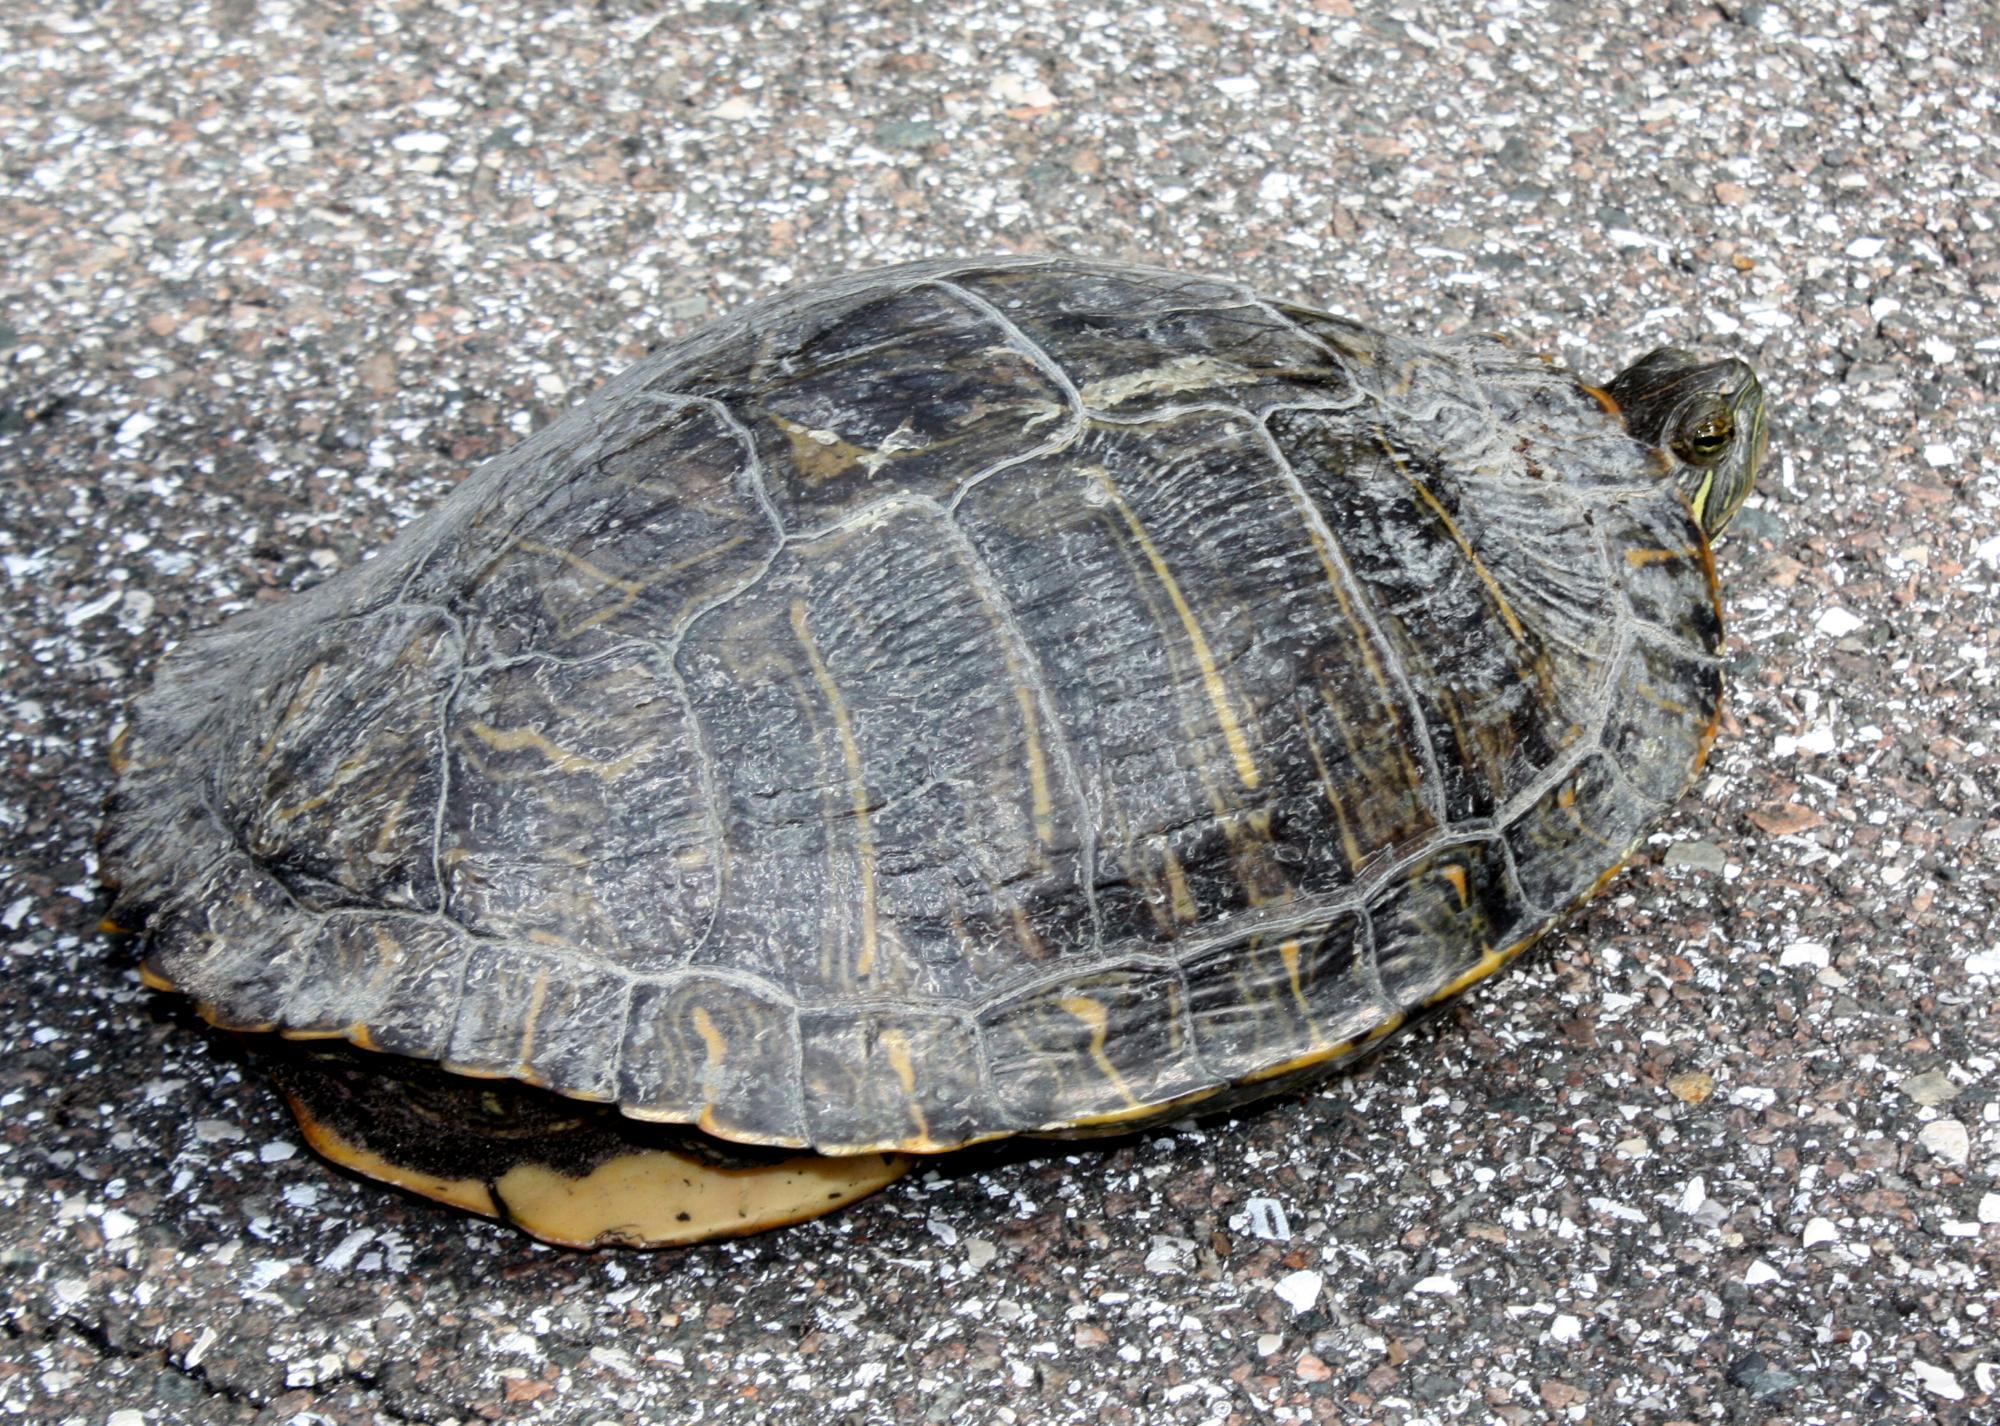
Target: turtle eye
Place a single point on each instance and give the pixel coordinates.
(1704, 440)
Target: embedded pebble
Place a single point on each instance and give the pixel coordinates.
(1937, 1381)
(1300, 1289)
(1948, 1139)
(1931, 1088)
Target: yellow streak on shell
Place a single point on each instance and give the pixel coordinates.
(512, 740)
(1211, 674)
(850, 751)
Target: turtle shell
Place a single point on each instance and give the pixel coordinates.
(958, 700)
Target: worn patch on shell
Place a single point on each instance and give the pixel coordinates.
(906, 392)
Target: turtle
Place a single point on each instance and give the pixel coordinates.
(968, 699)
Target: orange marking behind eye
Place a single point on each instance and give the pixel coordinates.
(1604, 399)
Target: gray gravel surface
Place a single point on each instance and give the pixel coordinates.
(275, 276)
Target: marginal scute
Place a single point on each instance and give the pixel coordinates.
(1103, 1043)
(545, 1018)
(865, 1070)
(1261, 1000)
(701, 1049)
(397, 976)
(1562, 842)
(1663, 713)
(229, 944)
(1439, 918)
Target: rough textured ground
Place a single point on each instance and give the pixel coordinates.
(275, 276)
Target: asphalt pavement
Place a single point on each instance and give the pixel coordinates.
(274, 277)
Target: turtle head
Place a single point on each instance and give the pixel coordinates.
(1708, 416)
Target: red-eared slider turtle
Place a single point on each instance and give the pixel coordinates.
(962, 700)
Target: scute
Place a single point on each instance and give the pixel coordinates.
(965, 699)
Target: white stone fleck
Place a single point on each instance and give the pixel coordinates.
(1804, 953)
(1437, 1285)
(125, 1416)
(979, 1252)
(1989, 1208)
(17, 912)
(1940, 454)
(118, 1224)
(1633, 238)
(1865, 247)
(1838, 623)
(1818, 1231)
(1268, 1342)
(312, 1371)
(1760, 1272)
(1983, 963)
(616, 1359)
(1276, 187)
(216, 1131)
(202, 1343)
(1237, 86)
(1018, 90)
(83, 614)
(1565, 1327)
(1817, 741)
(425, 141)
(276, 1152)
(1936, 1380)
(1265, 1218)
(1612, 1208)
(1948, 1139)
(1169, 1254)
(345, 1251)
(1694, 1195)
(1940, 351)
(1300, 1289)
(133, 427)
